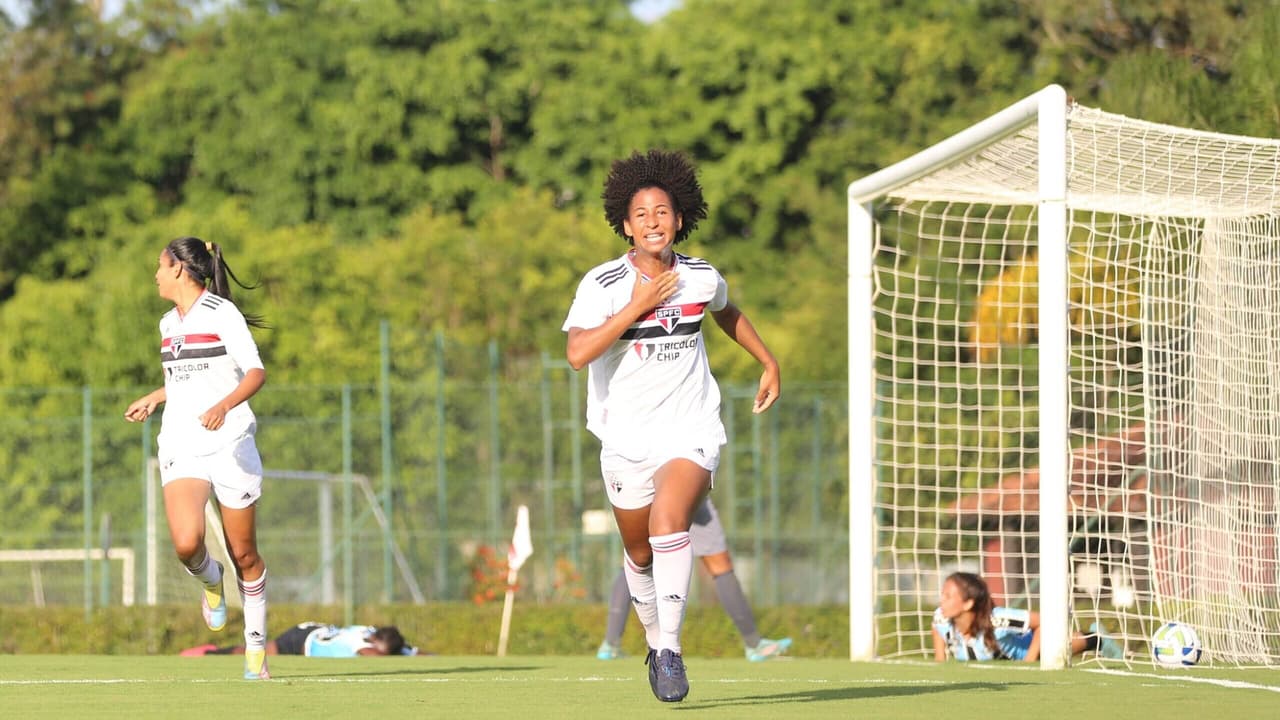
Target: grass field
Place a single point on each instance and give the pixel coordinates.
(533, 688)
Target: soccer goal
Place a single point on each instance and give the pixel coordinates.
(1064, 374)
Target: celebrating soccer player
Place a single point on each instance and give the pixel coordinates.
(636, 321)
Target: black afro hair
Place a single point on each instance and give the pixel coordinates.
(669, 171)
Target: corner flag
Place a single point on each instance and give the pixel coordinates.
(521, 542)
(520, 550)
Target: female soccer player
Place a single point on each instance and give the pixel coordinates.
(211, 369)
(706, 537)
(636, 321)
(313, 639)
(968, 625)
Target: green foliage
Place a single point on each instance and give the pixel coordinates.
(443, 629)
(439, 166)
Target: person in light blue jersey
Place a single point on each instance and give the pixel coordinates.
(968, 625)
(312, 639)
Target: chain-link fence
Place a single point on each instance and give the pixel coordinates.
(405, 489)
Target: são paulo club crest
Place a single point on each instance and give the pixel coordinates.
(175, 344)
(668, 317)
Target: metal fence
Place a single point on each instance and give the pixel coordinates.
(403, 489)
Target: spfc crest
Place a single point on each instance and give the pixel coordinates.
(668, 317)
(175, 344)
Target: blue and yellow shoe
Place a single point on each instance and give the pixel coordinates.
(609, 651)
(255, 665)
(767, 648)
(213, 605)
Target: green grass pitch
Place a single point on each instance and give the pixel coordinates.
(559, 688)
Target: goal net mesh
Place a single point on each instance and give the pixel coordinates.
(1173, 372)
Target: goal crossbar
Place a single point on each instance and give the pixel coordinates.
(124, 555)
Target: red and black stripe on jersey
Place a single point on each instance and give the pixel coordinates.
(191, 347)
(689, 323)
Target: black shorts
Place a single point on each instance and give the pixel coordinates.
(294, 640)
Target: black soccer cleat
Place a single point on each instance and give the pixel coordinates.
(667, 676)
(652, 661)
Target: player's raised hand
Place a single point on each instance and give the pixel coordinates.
(650, 293)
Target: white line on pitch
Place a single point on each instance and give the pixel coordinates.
(1239, 684)
(498, 679)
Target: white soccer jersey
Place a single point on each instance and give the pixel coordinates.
(204, 355)
(654, 383)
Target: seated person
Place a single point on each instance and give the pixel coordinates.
(968, 626)
(319, 640)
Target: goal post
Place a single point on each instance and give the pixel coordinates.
(1064, 331)
(36, 558)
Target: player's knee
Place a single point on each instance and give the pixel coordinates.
(188, 547)
(668, 523)
(246, 559)
(640, 555)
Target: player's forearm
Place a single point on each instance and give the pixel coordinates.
(587, 344)
(1033, 651)
(250, 384)
(736, 325)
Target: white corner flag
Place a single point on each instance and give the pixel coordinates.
(521, 542)
(520, 550)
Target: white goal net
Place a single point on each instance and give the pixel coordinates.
(1065, 360)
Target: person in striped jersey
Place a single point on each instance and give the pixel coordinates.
(636, 324)
(211, 369)
(968, 625)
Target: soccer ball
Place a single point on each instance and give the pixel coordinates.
(1175, 645)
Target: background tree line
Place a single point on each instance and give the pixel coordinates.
(439, 164)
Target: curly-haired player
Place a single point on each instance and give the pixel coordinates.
(636, 322)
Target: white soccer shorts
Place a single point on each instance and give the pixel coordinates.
(628, 481)
(235, 471)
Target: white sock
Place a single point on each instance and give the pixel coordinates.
(644, 596)
(206, 571)
(254, 595)
(672, 572)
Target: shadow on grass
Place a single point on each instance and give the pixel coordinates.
(858, 692)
